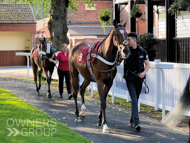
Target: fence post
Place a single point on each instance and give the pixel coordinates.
(163, 93)
(91, 89)
(127, 96)
(157, 61)
(139, 107)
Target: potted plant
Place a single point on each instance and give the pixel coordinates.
(148, 41)
(104, 16)
(136, 11)
(177, 6)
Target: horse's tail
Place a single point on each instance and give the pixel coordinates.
(177, 113)
(72, 69)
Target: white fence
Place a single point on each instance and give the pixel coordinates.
(175, 80)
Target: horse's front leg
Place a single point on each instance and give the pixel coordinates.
(82, 91)
(103, 105)
(48, 80)
(106, 90)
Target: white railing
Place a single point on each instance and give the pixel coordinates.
(28, 61)
(163, 93)
(165, 81)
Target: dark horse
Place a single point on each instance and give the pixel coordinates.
(111, 49)
(39, 57)
(173, 117)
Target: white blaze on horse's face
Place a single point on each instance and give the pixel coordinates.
(48, 48)
(123, 33)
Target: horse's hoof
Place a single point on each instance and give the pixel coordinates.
(70, 96)
(82, 117)
(99, 124)
(105, 129)
(49, 96)
(78, 119)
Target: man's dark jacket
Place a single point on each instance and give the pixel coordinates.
(142, 55)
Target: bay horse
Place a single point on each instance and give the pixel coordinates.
(39, 57)
(110, 49)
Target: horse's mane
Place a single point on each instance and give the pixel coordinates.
(118, 25)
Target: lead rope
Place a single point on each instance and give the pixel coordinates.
(146, 92)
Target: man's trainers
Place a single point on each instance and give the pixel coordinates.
(137, 127)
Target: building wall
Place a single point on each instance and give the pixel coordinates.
(90, 16)
(31, 28)
(12, 41)
(9, 58)
(142, 24)
(15, 38)
(182, 24)
(124, 16)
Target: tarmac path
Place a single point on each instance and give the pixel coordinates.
(63, 111)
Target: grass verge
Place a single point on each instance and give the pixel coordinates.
(20, 122)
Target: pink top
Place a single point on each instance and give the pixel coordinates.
(63, 61)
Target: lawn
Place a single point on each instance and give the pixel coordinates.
(21, 122)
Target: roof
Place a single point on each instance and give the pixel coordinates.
(88, 30)
(42, 24)
(16, 14)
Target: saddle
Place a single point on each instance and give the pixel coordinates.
(36, 54)
(89, 60)
(88, 55)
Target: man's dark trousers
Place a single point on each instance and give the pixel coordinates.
(134, 88)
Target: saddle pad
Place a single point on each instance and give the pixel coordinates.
(36, 53)
(83, 54)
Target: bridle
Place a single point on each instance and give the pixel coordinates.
(116, 39)
(118, 51)
(49, 48)
(125, 42)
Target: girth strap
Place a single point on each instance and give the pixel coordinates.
(90, 67)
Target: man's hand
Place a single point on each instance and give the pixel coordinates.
(50, 60)
(141, 75)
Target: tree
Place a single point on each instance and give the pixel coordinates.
(57, 24)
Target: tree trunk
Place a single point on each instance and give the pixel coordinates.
(57, 24)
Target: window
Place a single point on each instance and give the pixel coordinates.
(90, 8)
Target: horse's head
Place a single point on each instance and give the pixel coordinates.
(46, 51)
(120, 42)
